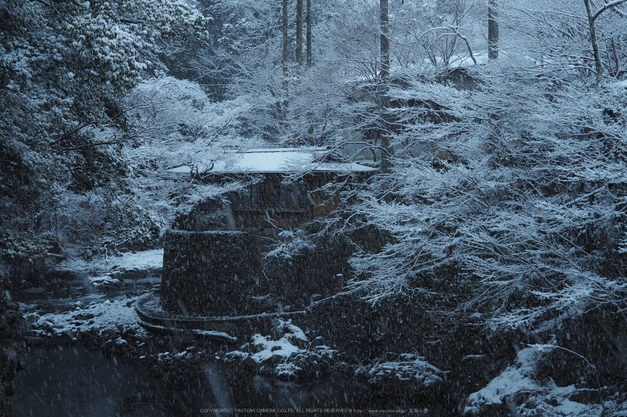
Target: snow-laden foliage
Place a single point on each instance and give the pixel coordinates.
(63, 68)
(323, 105)
(287, 354)
(520, 199)
(104, 319)
(291, 243)
(296, 105)
(103, 219)
(175, 124)
(108, 264)
(75, 44)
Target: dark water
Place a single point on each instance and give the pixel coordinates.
(77, 382)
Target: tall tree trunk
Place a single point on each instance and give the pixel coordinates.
(309, 52)
(385, 39)
(386, 148)
(284, 103)
(299, 31)
(285, 38)
(595, 45)
(493, 30)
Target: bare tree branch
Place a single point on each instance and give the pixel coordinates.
(606, 7)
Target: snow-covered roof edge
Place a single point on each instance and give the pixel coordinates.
(274, 161)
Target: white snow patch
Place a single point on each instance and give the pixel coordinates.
(284, 357)
(622, 84)
(513, 379)
(277, 160)
(101, 318)
(615, 408)
(214, 334)
(266, 348)
(269, 348)
(291, 331)
(554, 401)
(465, 61)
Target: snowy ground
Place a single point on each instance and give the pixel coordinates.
(105, 265)
(105, 317)
(99, 305)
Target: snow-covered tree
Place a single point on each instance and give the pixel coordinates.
(593, 17)
(436, 33)
(175, 124)
(63, 68)
(513, 209)
(559, 35)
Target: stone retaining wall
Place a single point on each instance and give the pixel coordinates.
(211, 273)
(225, 273)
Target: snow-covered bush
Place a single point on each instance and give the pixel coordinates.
(287, 354)
(403, 367)
(291, 243)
